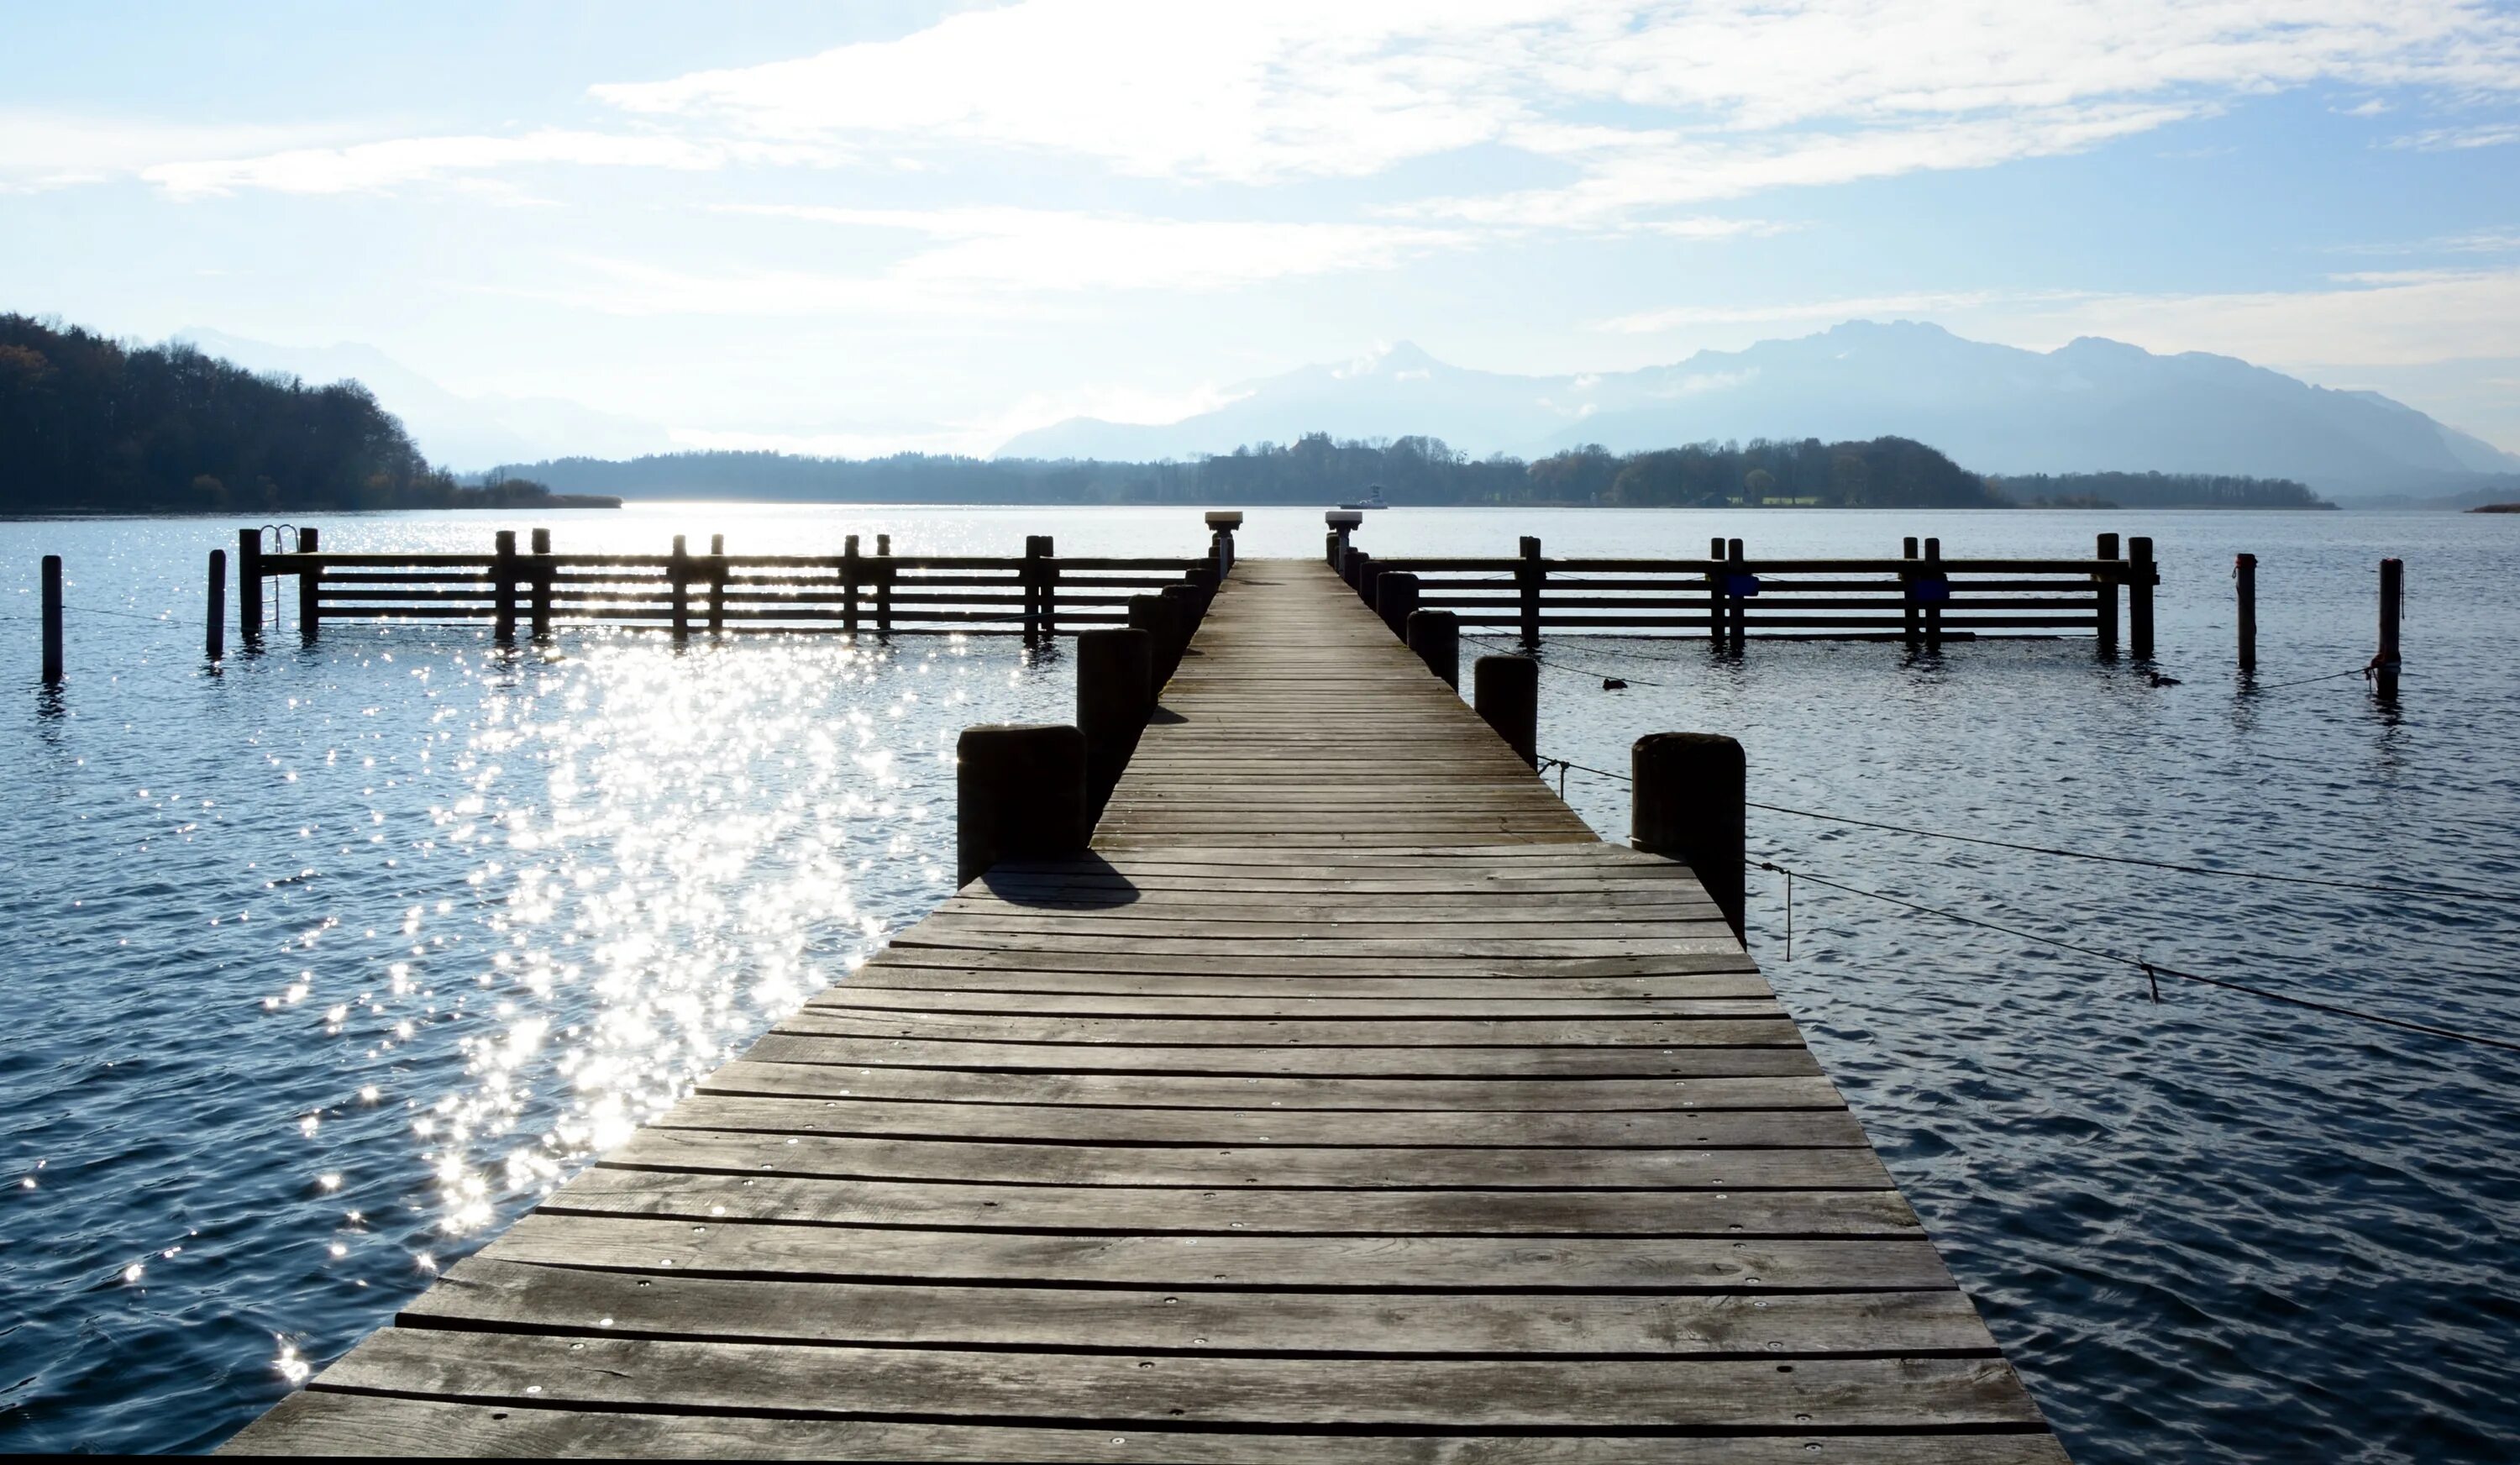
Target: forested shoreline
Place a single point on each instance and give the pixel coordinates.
(88, 424)
(1885, 472)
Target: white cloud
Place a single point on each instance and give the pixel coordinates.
(42, 150)
(1650, 101)
(370, 166)
(2458, 139)
(1043, 249)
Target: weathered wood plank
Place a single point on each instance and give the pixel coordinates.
(609, 1190)
(783, 1044)
(527, 1297)
(1270, 1091)
(1788, 1128)
(1334, 1168)
(320, 1423)
(1818, 1394)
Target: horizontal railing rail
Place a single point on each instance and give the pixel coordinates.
(1037, 595)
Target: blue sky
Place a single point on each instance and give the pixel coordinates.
(854, 228)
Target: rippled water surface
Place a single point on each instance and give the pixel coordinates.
(324, 966)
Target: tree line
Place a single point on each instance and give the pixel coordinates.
(89, 424)
(1888, 472)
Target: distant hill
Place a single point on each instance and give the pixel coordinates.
(465, 433)
(89, 424)
(2091, 406)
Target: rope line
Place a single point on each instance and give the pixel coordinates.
(2154, 970)
(2425, 891)
(2359, 671)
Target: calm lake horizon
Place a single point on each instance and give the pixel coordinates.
(329, 962)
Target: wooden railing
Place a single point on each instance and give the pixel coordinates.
(1920, 596)
(1037, 595)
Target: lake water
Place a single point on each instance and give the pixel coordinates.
(324, 964)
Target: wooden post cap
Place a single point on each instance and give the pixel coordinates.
(1224, 518)
(1019, 794)
(1344, 518)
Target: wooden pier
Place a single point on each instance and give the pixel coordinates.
(1348, 1100)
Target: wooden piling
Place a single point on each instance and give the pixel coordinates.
(1161, 618)
(2141, 577)
(678, 574)
(2393, 595)
(2105, 594)
(1505, 693)
(1436, 637)
(250, 587)
(503, 588)
(542, 570)
(215, 640)
(1049, 587)
(1938, 581)
(1911, 619)
(883, 585)
(2244, 588)
(1343, 522)
(1115, 694)
(52, 620)
(1529, 577)
(1717, 615)
(1735, 601)
(1394, 598)
(310, 582)
(1030, 574)
(717, 585)
(1018, 794)
(849, 586)
(1368, 578)
(1688, 803)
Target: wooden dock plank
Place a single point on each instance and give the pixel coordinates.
(1349, 1100)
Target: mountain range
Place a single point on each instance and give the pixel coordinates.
(2092, 405)
(464, 433)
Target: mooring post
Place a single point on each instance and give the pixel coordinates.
(250, 587)
(2106, 592)
(1030, 571)
(503, 588)
(2384, 666)
(215, 641)
(849, 586)
(1019, 794)
(1736, 599)
(2141, 577)
(1368, 574)
(1911, 618)
(678, 573)
(1505, 693)
(52, 619)
(544, 572)
(1689, 803)
(1049, 588)
(1715, 613)
(1189, 605)
(717, 585)
(1395, 597)
(883, 585)
(1528, 578)
(310, 586)
(1436, 637)
(1115, 694)
(1937, 587)
(1223, 521)
(1158, 616)
(2244, 585)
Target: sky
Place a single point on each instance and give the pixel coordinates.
(866, 227)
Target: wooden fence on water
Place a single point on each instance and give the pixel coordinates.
(1919, 597)
(1037, 595)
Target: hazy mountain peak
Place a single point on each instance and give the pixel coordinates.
(2092, 405)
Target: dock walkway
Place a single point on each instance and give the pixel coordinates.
(1350, 1100)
